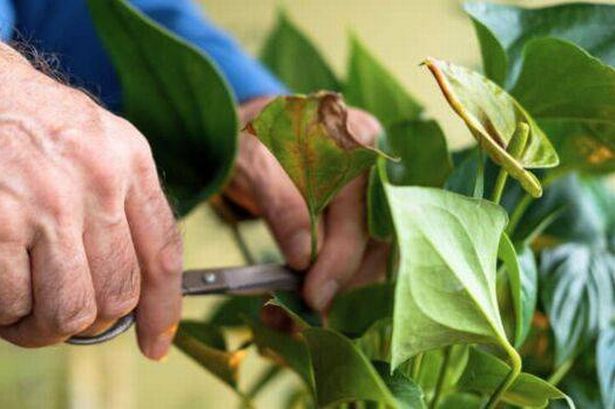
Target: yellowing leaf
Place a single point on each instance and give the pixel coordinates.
(492, 116)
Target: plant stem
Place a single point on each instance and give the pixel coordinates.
(515, 148)
(518, 212)
(262, 381)
(441, 377)
(560, 372)
(416, 366)
(479, 183)
(498, 189)
(314, 238)
(247, 255)
(515, 361)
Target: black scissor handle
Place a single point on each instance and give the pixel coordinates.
(121, 326)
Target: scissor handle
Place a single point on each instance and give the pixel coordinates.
(120, 326)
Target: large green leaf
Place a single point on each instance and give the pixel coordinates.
(445, 291)
(484, 373)
(352, 313)
(233, 311)
(461, 400)
(293, 58)
(310, 138)
(578, 293)
(375, 343)
(342, 373)
(523, 281)
(407, 393)
(370, 86)
(504, 30)
(605, 361)
(205, 344)
(493, 116)
(177, 98)
(574, 101)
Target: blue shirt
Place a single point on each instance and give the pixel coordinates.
(65, 29)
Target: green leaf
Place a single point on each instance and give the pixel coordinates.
(522, 277)
(375, 343)
(285, 349)
(445, 290)
(431, 365)
(493, 116)
(234, 310)
(295, 307)
(205, 344)
(484, 373)
(341, 372)
(177, 98)
(353, 312)
(294, 59)
(421, 146)
(605, 360)
(577, 109)
(309, 137)
(578, 294)
(407, 393)
(370, 86)
(504, 30)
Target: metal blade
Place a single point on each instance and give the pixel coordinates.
(257, 279)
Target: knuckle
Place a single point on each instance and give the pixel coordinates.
(74, 316)
(168, 264)
(120, 299)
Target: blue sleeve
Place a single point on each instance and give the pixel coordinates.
(64, 28)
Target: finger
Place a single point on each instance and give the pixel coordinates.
(15, 292)
(114, 269)
(345, 241)
(268, 190)
(158, 247)
(63, 295)
(373, 266)
(364, 126)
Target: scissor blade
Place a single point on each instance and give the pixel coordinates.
(257, 279)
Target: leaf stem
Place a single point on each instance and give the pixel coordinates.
(479, 183)
(441, 377)
(518, 212)
(416, 366)
(247, 255)
(515, 361)
(515, 148)
(561, 372)
(314, 237)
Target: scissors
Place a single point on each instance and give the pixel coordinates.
(255, 279)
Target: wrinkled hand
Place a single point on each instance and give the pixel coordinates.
(346, 255)
(86, 234)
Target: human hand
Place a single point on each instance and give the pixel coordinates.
(86, 234)
(346, 255)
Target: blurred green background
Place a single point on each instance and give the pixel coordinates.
(400, 33)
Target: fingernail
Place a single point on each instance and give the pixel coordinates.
(159, 349)
(325, 294)
(299, 249)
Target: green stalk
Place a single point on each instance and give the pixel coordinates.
(314, 238)
(479, 183)
(518, 212)
(560, 372)
(416, 366)
(441, 377)
(515, 148)
(247, 255)
(515, 361)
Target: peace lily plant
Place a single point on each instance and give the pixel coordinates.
(501, 284)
